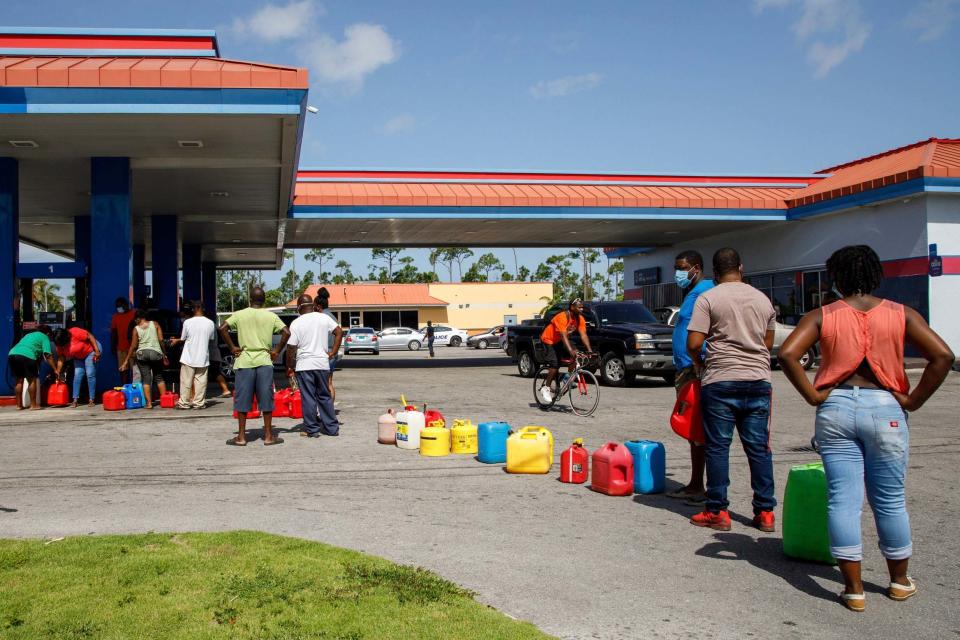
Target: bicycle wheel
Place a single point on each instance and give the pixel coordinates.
(539, 378)
(584, 394)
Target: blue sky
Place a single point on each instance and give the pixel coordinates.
(755, 86)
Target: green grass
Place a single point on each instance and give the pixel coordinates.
(233, 585)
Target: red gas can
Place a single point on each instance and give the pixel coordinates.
(296, 405)
(575, 463)
(432, 416)
(58, 395)
(281, 403)
(613, 470)
(169, 399)
(686, 419)
(254, 411)
(114, 400)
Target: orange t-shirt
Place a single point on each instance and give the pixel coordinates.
(561, 324)
(121, 323)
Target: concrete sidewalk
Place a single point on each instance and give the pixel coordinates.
(576, 563)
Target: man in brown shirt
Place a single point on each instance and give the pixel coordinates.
(737, 322)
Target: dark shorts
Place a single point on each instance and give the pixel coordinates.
(214, 371)
(556, 355)
(23, 367)
(246, 382)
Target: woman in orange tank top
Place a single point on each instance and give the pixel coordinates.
(862, 394)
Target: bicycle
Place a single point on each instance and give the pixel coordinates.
(579, 385)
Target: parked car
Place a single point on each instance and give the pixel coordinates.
(487, 338)
(627, 336)
(443, 335)
(400, 338)
(668, 315)
(361, 339)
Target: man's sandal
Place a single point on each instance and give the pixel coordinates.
(901, 592)
(854, 601)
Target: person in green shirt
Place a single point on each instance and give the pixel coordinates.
(23, 362)
(253, 364)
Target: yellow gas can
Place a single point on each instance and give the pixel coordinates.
(530, 450)
(435, 442)
(464, 437)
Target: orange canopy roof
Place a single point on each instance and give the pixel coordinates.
(936, 157)
(147, 72)
(376, 295)
(535, 195)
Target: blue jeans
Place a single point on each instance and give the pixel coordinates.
(86, 367)
(319, 416)
(863, 437)
(744, 406)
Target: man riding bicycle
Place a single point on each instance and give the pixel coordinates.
(556, 338)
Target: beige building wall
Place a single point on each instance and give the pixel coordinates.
(477, 306)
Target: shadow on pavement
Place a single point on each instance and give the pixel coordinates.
(767, 553)
(7, 510)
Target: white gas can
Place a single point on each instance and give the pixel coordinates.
(409, 425)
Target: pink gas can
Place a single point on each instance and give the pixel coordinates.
(613, 470)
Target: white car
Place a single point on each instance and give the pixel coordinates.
(443, 335)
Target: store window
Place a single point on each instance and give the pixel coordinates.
(388, 319)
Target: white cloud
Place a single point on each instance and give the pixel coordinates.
(565, 86)
(364, 49)
(275, 22)
(402, 123)
(933, 18)
(833, 29)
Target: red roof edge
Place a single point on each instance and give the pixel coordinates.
(889, 152)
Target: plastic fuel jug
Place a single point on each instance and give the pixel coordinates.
(463, 437)
(805, 514)
(387, 428)
(169, 399)
(612, 470)
(530, 450)
(575, 463)
(133, 396)
(58, 395)
(282, 400)
(113, 400)
(649, 465)
(492, 442)
(410, 424)
(435, 441)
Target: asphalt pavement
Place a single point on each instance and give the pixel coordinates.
(576, 563)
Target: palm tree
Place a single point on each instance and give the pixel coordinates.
(46, 296)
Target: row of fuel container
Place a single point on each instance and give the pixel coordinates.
(638, 466)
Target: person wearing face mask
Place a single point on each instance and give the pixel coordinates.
(120, 331)
(688, 267)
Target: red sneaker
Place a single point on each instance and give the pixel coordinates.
(764, 521)
(719, 521)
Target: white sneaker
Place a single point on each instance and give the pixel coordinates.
(546, 395)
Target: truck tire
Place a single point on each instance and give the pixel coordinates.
(807, 360)
(613, 370)
(526, 364)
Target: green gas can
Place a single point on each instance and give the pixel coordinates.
(805, 534)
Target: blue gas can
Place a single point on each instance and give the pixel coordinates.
(133, 396)
(492, 442)
(649, 465)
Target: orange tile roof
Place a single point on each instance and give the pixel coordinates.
(376, 295)
(936, 157)
(535, 195)
(205, 73)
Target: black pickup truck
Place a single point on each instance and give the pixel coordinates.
(630, 341)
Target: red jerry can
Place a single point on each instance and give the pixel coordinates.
(296, 405)
(254, 410)
(114, 400)
(281, 403)
(613, 470)
(686, 419)
(575, 463)
(169, 399)
(58, 395)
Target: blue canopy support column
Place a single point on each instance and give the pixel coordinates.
(139, 300)
(81, 252)
(208, 271)
(111, 253)
(9, 256)
(164, 262)
(192, 285)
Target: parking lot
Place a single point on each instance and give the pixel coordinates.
(576, 563)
